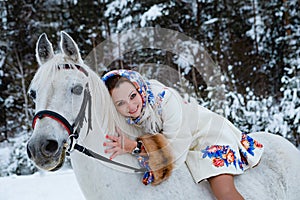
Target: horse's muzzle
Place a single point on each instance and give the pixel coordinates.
(47, 154)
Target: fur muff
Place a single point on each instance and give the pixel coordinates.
(160, 156)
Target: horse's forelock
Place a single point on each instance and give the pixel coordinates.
(47, 72)
(44, 74)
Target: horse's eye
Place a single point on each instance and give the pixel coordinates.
(32, 94)
(77, 89)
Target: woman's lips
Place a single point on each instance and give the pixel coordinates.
(132, 112)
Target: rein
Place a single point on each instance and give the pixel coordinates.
(73, 133)
(102, 158)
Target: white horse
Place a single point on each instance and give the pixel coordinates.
(66, 91)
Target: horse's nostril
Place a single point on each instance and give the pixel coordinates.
(50, 147)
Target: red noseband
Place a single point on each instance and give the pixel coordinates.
(53, 115)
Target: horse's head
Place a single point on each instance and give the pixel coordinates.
(61, 95)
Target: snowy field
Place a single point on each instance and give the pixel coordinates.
(39, 186)
(55, 186)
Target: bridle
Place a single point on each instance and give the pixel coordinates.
(74, 130)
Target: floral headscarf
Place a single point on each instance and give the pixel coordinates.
(141, 85)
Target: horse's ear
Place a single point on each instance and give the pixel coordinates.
(44, 50)
(69, 47)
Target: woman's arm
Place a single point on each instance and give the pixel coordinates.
(175, 115)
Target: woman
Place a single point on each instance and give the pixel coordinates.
(211, 146)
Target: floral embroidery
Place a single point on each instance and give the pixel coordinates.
(158, 102)
(220, 155)
(243, 160)
(250, 144)
(218, 162)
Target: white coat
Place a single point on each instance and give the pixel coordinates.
(208, 143)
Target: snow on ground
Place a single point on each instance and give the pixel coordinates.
(42, 185)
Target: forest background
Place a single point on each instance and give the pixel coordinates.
(255, 43)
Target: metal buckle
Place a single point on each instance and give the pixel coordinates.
(73, 141)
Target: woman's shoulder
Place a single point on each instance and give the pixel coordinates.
(156, 84)
(159, 90)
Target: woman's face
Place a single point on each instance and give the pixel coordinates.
(127, 100)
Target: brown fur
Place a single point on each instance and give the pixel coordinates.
(160, 156)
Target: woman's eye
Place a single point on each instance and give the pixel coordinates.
(77, 89)
(32, 94)
(133, 96)
(120, 103)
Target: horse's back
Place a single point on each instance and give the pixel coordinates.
(279, 169)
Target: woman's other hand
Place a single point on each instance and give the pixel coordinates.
(118, 145)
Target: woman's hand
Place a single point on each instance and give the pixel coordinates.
(119, 144)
